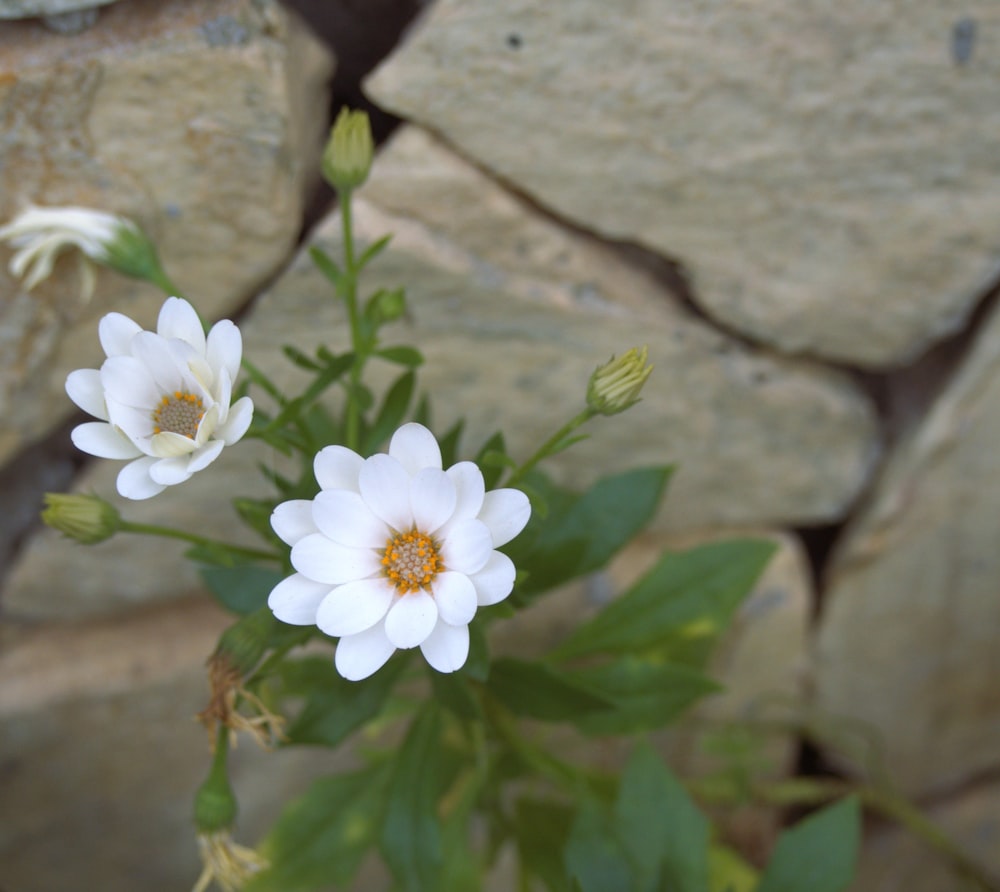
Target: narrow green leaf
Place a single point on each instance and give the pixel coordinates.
(819, 853)
(334, 707)
(687, 594)
(326, 265)
(541, 829)
(242, 589)
(449, 443)
(402, 355)
(297, 357)
(644, 696)
(322, 836)
(411, 839)
(541, 692)
(594, 857)
(373, 250)
(262, 381)
(663, 832)
(491, 475)
(393, 410)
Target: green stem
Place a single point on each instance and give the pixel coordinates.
(549, 446)
(149, 529)
(352, 433)
(161, 280)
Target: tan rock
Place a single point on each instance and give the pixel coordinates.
(192, 117)
(510, 343)
(102, 755)
(23, 9)
(907, 641)
(827, 177)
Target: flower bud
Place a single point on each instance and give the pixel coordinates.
(86, 518)
(615, 385)
(130, 252)
(347, 157)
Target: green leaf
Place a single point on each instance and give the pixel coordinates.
(541, 692)
(729, 872)
(491, 474)
(663, 832)
(644, 696)
(242, 589)
(334, 707)
(322, 836)
(326, 265)
(411, 839)
(392, 410)
(594, 857)
(541, 829)
(401, 355)
(373, 250)
(296, 356)
(687, 595)
(819, 853)
(449, 443)
(453, 693)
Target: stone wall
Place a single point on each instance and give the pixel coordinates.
(794, 205)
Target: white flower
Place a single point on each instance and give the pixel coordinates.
(41, 234)
(163, 397)
(395, 552)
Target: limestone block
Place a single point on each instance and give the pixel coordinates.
(908, 637)
(892, 860)
(827, 176)
(101, 754)
(200, 119)
(23, 9)
(513, 313)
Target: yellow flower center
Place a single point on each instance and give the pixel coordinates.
(411, 561)
(180, 413)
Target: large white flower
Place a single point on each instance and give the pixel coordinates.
(163, 398)
(396, 553)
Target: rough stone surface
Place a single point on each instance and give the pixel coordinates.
(191, 117)
(894, 861)
(512, 313)
(828, 177)
(101, 757)
(908, 638)
(24, 9)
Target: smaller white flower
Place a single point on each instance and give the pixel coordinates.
(163, 398)
(395, 552)
(41, 234)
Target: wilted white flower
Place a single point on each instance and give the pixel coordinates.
(395, 552)
(163, 398)
(41, 234)
(226, 863)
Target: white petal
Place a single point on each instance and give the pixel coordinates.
(447, 647)
(495, 581)
(456, 598)
(205, 455)
(134, 481)
(136, 424)
(414, 447)
(467, 546)
(345, 518)
(225, 348)
(207, 425)
(171, 471)
(293, 521)
(223, 394)
(506, 512)
(170, 445)
(84, 387)
(318, 558)
(411, 619)
(469, 488)
(238, 421)
(155, 354)
(295, 600)
(101, 439)
(337, 467)
(359, 656)
(385, 488)
(128, 381)
(116, 332)
(432, 494)
(178, 319)
(354, 607)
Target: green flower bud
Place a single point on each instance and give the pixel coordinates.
(615, 385)
(214, 803)
(131, 253)
(386, 306)
(85, 518)
(348, 155)
(243, 643)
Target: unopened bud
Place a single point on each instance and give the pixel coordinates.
(87, 519)
(615, 385)
(347, 157)
(130, 252)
